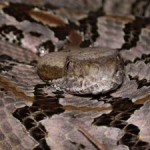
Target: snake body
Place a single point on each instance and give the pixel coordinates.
(115, 115)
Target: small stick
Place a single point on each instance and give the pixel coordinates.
(91, 138)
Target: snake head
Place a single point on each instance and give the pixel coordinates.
(93, 71)
(88, 71)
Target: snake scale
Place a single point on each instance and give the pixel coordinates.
(36, 115)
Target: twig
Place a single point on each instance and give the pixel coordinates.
(91, 138)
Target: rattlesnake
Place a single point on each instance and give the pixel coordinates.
(35, 115)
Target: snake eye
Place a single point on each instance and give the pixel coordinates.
(67, 65)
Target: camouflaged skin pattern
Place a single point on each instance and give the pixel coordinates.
(33, 115)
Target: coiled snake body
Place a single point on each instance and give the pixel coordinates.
(98, 97)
